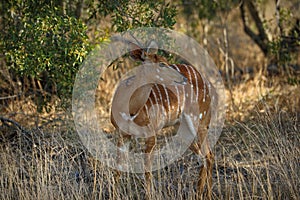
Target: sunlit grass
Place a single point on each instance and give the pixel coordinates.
(256, 159)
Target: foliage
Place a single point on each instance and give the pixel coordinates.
(279, 43)
(42, 43)
(206, 9)
(140, 13)
(284, 44)
(47, 40)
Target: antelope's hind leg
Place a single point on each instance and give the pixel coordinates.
(205, 174)
(209, 164)
(150, 144)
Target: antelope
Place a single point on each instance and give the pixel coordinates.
(171, 103)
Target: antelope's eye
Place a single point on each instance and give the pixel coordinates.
(162, 64)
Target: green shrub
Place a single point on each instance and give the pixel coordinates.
(46, 45)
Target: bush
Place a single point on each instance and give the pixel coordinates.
(44, 44)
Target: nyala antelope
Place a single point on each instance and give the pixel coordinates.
(145, 97)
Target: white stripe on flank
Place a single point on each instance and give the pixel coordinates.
(196, 79)
(204, 86)
(176, 67)
(183, 99)
(190, 77)
(155, 98)
(178, 99)
(178, 90)
(159, 93)
(155, 104)
(168, 100)
(160, 111)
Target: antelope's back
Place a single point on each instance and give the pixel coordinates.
(172, 100)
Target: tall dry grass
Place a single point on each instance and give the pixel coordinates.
(257, 157)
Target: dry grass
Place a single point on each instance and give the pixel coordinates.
(257, 156)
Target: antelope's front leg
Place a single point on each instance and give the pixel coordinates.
(209, 164)
(205, 174)
(122, 139)
(203, 171)
(150, 144)
(205, 177)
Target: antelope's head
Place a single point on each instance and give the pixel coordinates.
(160, 71)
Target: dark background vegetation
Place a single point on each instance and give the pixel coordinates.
(255, 44)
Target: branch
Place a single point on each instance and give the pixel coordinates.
(5, 120)
(261, 38)
(9, 97)
(278, 17)
(254, 13)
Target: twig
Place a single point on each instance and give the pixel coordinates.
(19, 126)
(261, 38)
(8, 97)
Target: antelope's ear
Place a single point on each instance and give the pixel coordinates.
(136, 53)
(152, 47)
